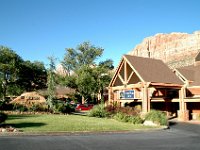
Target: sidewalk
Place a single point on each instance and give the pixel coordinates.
(190, 121)
(194, 121)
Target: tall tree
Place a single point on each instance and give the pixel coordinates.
(89, 78)
(17, 75)
(102, 74)
(9, 68)
(51, 83)
(86, 82)
(32, 76)
(84, 55)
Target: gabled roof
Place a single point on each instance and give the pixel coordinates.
(151, 70)
(191, 73)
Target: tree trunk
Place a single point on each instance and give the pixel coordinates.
(83, 100)
(4, 87)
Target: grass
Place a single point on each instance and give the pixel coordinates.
(67, 123)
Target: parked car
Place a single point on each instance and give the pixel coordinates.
(80, 107)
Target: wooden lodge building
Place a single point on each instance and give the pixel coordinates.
(153, 85)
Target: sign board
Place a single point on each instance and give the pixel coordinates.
(129, 94)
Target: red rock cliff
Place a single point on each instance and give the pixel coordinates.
(175, 49)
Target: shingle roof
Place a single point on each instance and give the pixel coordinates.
(191, 73)
(153, 70)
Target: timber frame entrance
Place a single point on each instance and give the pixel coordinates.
(146, 81)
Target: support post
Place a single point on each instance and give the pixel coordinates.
(183, 113)
(145, 100)
(110, 98)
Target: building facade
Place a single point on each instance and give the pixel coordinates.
(153, 85)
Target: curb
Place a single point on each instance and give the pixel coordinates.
(83, 133)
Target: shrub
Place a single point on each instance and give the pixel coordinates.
(1, 104)
(126, 118)
(69, 108)
(131, 111)
(157, 117)
(120, 117)
(128, 111)
(5, 105)
(63, 108)
(20, 107)
(3, 117)
(110, 109)
(135, 119)
(38, 107)
(98, 111)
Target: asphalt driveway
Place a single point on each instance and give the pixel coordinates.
(181, 136)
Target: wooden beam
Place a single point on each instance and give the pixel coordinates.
(117, 72)
(166, 84)
(110, 94)
(125, 72)
(130, 86)
(130, 100)
(192, 99)
(134, 86)
(180, 76)
(129, 78)
(120, 77)
(154, 99)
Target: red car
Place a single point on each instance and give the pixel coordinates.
(84, 107)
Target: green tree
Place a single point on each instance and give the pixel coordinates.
(32, 76)
(17, 75)
(88, 78)
(51, 83)
(86, 82)
(9, 69)
(102, 75)
(84, 55)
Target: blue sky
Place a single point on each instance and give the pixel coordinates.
(36, 29)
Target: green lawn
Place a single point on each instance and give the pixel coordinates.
(67, 123)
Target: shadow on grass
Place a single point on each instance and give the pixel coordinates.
(27, 124)
(11, 117)
(79, 113)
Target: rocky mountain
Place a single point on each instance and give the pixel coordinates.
(60, 70)
(175, 49)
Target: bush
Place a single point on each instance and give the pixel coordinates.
(131, 111)
(3, 117)
(120, 117)
(4, 105)
(20, 107)
(157, 117)
(135, 119)
(63, 108)
(98, 111)
(126, 118)
(38, 108)
(1, 104)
